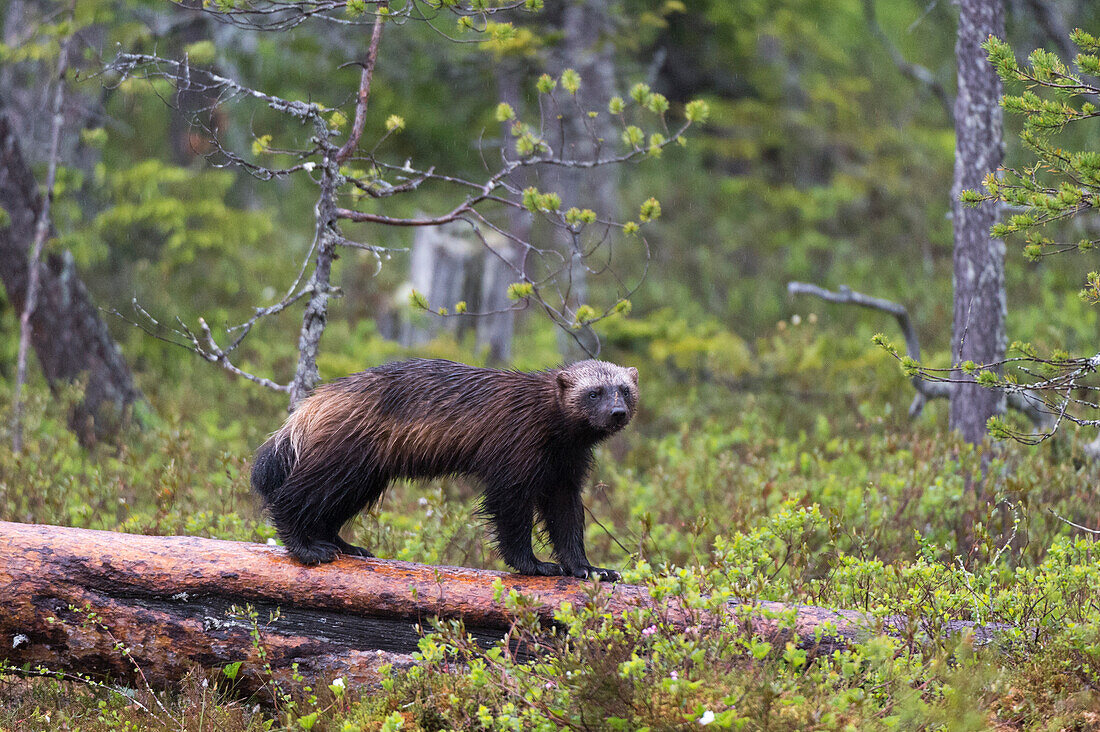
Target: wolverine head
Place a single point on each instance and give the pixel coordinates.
(598, 394)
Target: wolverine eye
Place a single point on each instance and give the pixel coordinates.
(593, 395)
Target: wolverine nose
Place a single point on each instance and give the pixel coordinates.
(618, 414)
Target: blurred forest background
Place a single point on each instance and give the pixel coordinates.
(826, 157)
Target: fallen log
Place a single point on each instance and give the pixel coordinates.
(72, 599)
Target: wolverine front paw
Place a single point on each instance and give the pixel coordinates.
(584, 571)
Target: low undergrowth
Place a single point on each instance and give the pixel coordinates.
(859, 510)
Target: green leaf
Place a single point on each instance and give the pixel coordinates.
(697, 111)
(987, 378)
(337, 120)
(584, 314)
(570, 80)
(633, 136)
(650, 210)
(520, 290)
(656, 103)
(261, 144)
(546, 84)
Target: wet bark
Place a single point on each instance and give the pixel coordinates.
(315, 317)
(168, 600)
(979, 312)
(327, 234)
(70, 339)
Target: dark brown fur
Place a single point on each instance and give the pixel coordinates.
(527, 436)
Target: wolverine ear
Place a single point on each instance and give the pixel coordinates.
(633, 372)
(565, 380)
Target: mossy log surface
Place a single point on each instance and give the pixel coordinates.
(70, 597)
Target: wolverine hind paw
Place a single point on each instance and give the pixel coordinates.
(541, 569)
(351, 549)
(314, 552)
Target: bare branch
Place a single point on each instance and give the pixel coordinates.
(281, 15)
(129, 64)
(364, 86)
(1079, 527)
(324, 161)
(212, 352)
(927, 388)
(916, 72)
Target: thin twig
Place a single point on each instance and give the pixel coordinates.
(1079, 527)
(1022, 400)
(364, 85)
(913, 71)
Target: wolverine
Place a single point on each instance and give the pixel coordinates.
(526, 436)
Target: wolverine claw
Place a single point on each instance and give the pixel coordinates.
(605, 575)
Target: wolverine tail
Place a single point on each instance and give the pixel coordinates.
(272, 465)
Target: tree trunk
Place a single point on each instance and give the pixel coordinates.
(315, 317)
(586, 47)
(496, 329)
(70, 339)
(439, 264)
(168, 599)
(979, 322)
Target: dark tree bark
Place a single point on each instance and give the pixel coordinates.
(71, 340)
(979, 317)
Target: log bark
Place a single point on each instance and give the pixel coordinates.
(167, 600)
(70, 339)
